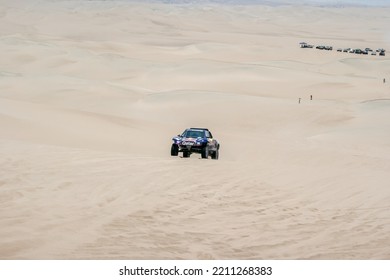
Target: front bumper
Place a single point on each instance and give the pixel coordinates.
(191, 148)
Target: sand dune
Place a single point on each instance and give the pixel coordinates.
(91, 92)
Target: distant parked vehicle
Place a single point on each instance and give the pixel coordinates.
(305, 45)
(365, 51)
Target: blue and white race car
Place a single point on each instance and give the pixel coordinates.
(195, 140)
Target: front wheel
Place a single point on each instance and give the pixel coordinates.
(174, 150)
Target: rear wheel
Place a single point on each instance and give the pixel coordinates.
(215, 155)
(174, 150)
(186, 154)
(205, 152)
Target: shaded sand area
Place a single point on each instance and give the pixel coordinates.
(91, 92)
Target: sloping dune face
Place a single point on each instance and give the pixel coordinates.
(91, 93)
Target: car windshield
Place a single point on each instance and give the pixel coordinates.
(193, 133)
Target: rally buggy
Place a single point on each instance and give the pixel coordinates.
(195, 140)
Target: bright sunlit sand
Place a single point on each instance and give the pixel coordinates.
(91, 93)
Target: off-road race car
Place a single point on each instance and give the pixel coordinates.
(195, 140)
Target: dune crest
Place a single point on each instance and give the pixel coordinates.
(91, 93)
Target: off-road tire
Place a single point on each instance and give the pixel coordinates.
(215, 154)
(186, 154)
(174, 150)
(205, 152)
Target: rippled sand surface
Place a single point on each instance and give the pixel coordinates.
(91, 93)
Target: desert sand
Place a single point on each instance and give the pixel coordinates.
(91, 93)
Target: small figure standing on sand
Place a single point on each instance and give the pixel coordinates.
(384, 80)
(311, 97)
(299, 100)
